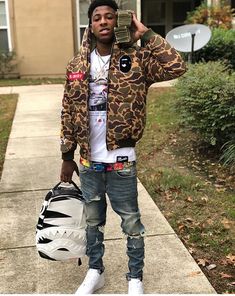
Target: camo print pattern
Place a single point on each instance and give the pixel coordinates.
(126, 104)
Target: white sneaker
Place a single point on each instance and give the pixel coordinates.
(92, 282)
(135, 287)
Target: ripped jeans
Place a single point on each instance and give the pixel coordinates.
(121, 188)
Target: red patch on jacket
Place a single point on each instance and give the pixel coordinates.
(76, 76)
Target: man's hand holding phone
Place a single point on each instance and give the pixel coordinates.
(137, 29)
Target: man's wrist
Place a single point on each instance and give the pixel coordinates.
(149, 33)
(68, 155)
(143, 31)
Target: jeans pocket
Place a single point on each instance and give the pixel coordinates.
(127, 172)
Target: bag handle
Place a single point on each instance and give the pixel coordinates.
(72, 182)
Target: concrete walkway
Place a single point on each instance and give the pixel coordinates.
(32, 166)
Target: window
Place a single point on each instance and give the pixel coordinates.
(83, 8)
(164, 15)
(180, 9)
(5, 42)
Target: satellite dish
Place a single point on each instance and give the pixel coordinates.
(189, 38)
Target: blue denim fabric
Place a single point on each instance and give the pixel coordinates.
(121, 188)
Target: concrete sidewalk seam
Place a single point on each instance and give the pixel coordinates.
(18, 248)
(25, 191)
(105, 240)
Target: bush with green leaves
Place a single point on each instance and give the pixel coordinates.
(221, 47)
(206, 101)
(218, 15)
(7, 63)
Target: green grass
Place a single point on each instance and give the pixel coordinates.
(202, 214)
(160, 122)
(29, 81)
(7, 111)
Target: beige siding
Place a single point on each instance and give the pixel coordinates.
(42, 36)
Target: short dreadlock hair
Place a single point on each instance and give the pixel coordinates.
(96, 3)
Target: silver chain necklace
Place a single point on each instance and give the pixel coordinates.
(101, 73)
(100, 59)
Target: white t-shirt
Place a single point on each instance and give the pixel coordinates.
(97, 113)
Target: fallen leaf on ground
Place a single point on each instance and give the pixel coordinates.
(194, 273)
(189, 199)
(202, 262)
(209, 221)
(181, 227)
(225, 275)
(231, 258)
(224, 262)
(220, 189)
(191, 250)
(205, 198)
(227, 223)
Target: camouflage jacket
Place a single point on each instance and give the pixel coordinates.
(127, 91)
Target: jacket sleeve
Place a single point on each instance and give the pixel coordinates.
(161, 61)
(67, 139)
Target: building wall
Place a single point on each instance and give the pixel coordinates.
(42, 34)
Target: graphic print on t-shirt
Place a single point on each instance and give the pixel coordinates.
(97, 112)
(99, 83)
(98, 95)
(98, 98)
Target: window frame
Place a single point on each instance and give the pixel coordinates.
(7, 27)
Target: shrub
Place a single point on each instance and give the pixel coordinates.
(221, 47)
(7, 63)
(206, 101)
(216, 16)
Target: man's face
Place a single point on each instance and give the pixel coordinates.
(103, 21)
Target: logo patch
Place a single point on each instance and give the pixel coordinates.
(125, 63)
(122, 158)
(77, 76)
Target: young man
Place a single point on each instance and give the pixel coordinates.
(104, 113)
